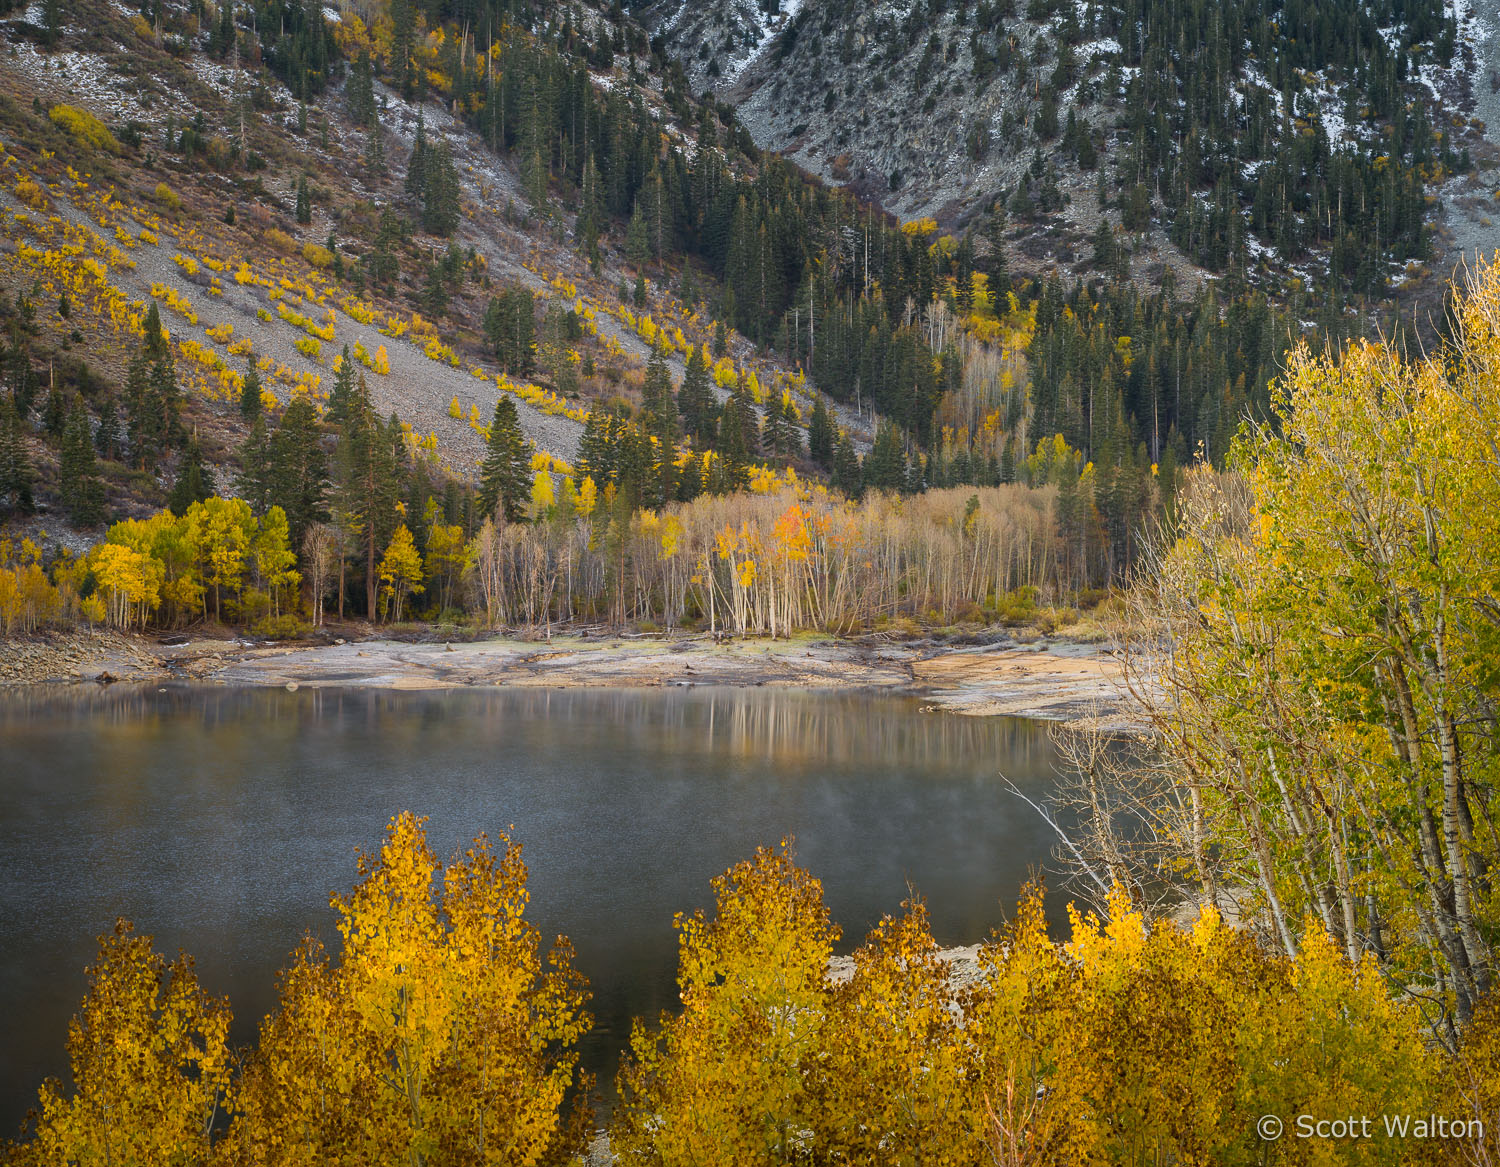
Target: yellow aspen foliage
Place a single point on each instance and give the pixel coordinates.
(438, 1038)
(542, 492)
(454, 408)
(150, 1059)
(382, 362)
(723, 1082)
(275, 561)
(400, 570)
(889, 1087)
(588, 497)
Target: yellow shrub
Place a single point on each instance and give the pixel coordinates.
(167, 197)
(187, 263)
(31, 193)
(84, 127)
(150, 237)
(317, 255)
(310, 348)
(220, 332)
(280, 240)
(382, 362)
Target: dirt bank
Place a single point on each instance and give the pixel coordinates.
(1056, 680)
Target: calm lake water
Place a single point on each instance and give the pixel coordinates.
(219, 820)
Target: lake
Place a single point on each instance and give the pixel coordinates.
(220, 820)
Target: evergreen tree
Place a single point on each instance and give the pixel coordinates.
(108, 441)
(597, 448)
(739, 434)
(341, 396)
(16, 474)
(54, 413)
(510, 329)
(304, 202)
(374, 144)
(591, 215)
(440, 191)
(52, 22)
(885, 468)
(820, 435)
(360, 92)
(660, 418)
(505, 477)
(368, 483)
(79, 484)
(385, 266)
(791, 430)
(22, 378)
(253, 482)
(637, 240)
(416, 165)
(298, 468)
(847, 473)
(700, 412)
(194, 482)
(250, 403)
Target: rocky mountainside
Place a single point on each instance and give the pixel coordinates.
(939, 108)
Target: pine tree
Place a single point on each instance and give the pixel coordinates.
(82, 491)
(637, 239)
(341, 396)
(22, 378)
(791, 431)
(510, 329)
(885, 468)
(250, 403)
(590, 222)
(304, 202)
(54, 413)
(368, 483)
(416, 165)
(847, 475)
(440, 192)
(221, 40)
(660, 417)
(298, 468)
(374, 144)
(360, 92)
(700, 413)
(194, 483)
(820, 435)
(253, 482)
(597, 453)
(16, 474)
(52, 22)
(505, 477)
(108, 441)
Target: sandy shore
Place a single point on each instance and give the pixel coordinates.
(1056, 680)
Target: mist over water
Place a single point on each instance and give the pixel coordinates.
(220, 820)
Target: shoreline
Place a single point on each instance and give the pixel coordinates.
(1048, 679)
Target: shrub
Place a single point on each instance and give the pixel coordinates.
(84, 127)
(30, 192)
(280, 240)
(167, 197)
(310, 348)
(317, 255)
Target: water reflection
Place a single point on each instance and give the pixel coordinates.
(221, 819)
